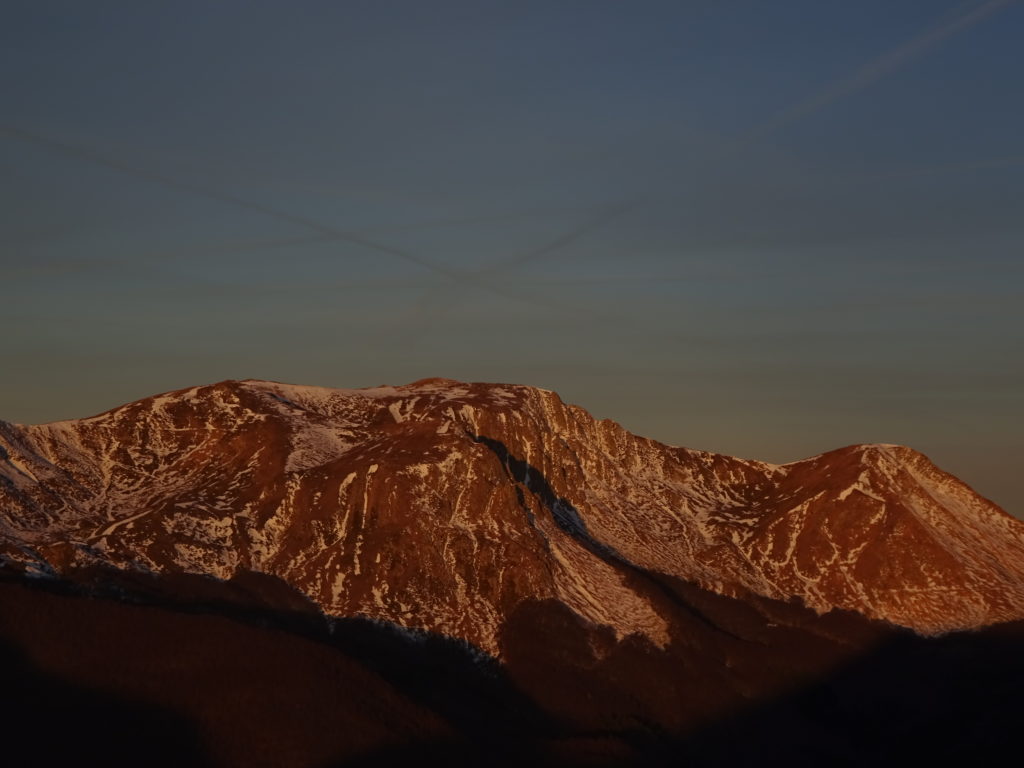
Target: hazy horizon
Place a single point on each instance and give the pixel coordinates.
(767, 230)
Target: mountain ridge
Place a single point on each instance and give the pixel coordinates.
(442, 505)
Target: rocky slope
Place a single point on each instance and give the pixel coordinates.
(445, 506)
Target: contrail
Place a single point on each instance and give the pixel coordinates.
(865, 76)
(325, 232)
(877, 68)
(429, 310)
(97, 158)
(959, 19)
(466, 221)
(997, 163)
(562, 241)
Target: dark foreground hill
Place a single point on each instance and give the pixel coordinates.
(207, 677)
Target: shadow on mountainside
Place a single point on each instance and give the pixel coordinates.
(162, 682)
(52, 721)
(953, 700)
(272, 684)
(890, 699)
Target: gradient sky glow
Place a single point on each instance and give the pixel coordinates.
(766, 229)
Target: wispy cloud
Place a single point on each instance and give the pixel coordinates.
(961, 19)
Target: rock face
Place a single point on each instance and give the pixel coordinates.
(445, 506)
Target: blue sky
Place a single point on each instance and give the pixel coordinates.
(767, 229)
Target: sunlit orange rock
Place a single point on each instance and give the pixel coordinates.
(444, 506)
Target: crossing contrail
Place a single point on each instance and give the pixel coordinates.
(324, 231)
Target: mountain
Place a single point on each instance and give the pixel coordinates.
(550, 575)
(441, 506)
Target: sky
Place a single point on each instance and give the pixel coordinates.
(764, 229)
